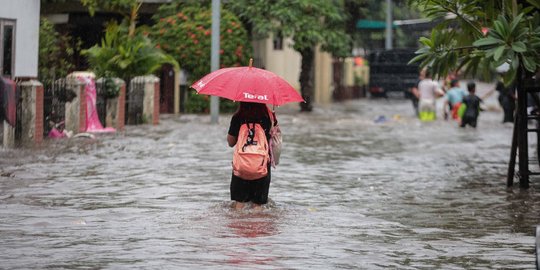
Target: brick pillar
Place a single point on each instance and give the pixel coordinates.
(32, 113)
(75, 118)
(151, 100)
(39, 127)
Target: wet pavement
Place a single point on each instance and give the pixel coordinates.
(362, 185)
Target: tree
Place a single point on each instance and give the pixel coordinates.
(308, 22)
(477, 36)
(186, 35)
(127, 8)
(122, 53)
(124, 56)
(184, 31)
(55, 51)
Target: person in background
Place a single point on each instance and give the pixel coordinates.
(414, 94)
(429, 90)
(507, 100)
(472, 109)
(454, 97)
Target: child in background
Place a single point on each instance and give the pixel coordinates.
(454, 97)
(472, 109)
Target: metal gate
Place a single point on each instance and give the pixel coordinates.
(134, 101)
(54, 103)
(18, 117)
(101, 102)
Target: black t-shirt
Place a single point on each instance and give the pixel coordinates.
(236, 122)
(473, 105)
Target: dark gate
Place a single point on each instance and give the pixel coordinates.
(134, 101)
(101, 102)
(18, 117)
(166, 95)
(54, 103)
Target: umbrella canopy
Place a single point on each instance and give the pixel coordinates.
(248, 84)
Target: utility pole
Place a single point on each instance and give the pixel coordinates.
(388, 40)
(216, 18)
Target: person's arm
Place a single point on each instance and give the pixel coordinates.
(439, 92)
(232, 134)
(489, 93)
(445, 113)
(415, 92)
(231, 140)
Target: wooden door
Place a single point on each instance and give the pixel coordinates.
(166, 97)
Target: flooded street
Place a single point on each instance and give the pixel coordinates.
(351, 193)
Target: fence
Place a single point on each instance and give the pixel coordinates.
(101, 102)
(135, 101)
(19, 117)
(56, 95)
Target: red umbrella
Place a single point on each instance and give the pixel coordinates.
(247, 84)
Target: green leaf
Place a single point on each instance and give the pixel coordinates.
(509, 76)
(417, 58)
(519, 47)
(529, 63)
(498, 53)
(489, 41)
(426, 41)
(535, 3)
(515, 22)
(499, 28)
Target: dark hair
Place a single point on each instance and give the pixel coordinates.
(471, 86)
(428, 73)
(453, 82)
(252, 111)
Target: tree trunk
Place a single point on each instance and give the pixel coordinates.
(306, 79)
(523, 144)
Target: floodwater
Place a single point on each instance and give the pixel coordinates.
(351, 193)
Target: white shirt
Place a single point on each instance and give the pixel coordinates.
(429, 89)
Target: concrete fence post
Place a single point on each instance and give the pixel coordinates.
(8, 139)
(32, 126)
(75, 119)
(116, 109)
(151, 99)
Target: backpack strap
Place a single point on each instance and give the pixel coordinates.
(273, 119)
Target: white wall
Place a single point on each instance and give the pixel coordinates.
(26, 14)
(285, 63)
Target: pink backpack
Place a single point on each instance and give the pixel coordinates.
(250, 157)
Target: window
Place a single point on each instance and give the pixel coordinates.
(7, 47)
(278, 41)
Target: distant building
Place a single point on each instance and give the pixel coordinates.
(19, 34)
(277, 55)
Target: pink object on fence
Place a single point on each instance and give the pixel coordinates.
(9, 99)
(92, 120)
(56, 134)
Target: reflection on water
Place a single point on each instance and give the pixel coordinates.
(248, 227)
(350, 193)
